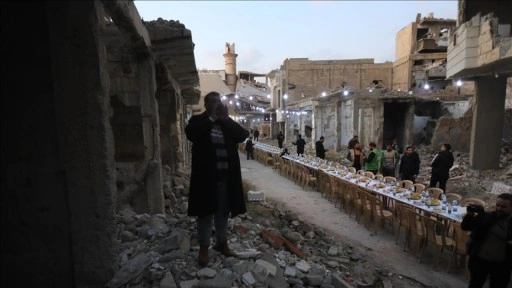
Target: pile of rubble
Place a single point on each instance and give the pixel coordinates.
(275, 249)
(469, 182)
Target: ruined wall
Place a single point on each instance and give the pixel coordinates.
(507, 127)
(326, 124)
(456, 132)
(135, 124)
(402, 73)
(371, 120)
(455, 109)
(311, 78)
(58, 179)
(405, 41)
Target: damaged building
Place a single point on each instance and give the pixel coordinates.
(480, 50)
(89, 132)
(418, 99)
(247, 99)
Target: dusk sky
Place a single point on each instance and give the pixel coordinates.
(265, 33)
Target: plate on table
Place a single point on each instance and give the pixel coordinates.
(399, 190)
(434, 202)
(364, 179)
(415, 196)
(379, 185)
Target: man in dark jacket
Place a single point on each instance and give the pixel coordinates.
(249, 148)
(300, 145)
(319, 148)
(216, 180)
(489, 247)
(441, 167)
(409, 164)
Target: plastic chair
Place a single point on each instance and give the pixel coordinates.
(466, 201)
(434, 192)
(418, 188)
(436, 235)
(380, 215)
(406, 184)
(452, 196)
(460, 238)
(403, 219)
(389, 179)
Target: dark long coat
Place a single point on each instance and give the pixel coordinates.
(202, 194)
(442, 164)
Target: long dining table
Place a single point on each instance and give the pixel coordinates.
(372, 185)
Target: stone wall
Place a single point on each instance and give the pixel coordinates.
(311, 78)
(456, 132)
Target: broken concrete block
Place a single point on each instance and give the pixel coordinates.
(256, 196)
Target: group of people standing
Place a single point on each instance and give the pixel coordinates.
(391, 162)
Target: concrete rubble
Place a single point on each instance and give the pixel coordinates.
(275, 249)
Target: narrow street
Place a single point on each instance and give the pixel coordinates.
(313, 208)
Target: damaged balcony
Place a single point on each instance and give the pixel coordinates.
(428, 45)
(480, 47)
(172, 44)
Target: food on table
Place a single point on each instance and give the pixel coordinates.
(415, 196)
(398, 189)
(434, 202)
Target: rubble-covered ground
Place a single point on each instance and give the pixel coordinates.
(275, 248)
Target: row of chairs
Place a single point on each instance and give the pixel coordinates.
(428, 230)
(423, 228)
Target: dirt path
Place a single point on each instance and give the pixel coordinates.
(314, 209)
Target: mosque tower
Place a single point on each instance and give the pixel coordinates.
(230, 66)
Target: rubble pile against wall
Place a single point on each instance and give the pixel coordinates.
(275, 249)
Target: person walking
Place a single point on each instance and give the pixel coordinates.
(389, 161)
(319, 148)
(300, 145)
(490, 243)
(280, 139)
(371, 161)
(409, 164)
(216, 181)
(441, 165)
(249, 148)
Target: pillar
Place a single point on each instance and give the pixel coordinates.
(487, 128)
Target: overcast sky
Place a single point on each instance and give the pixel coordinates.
(265, 33)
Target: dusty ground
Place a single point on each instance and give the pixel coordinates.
(379, 249)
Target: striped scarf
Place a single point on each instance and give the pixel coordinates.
(220, 151)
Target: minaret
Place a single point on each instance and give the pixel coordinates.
(230, 66)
